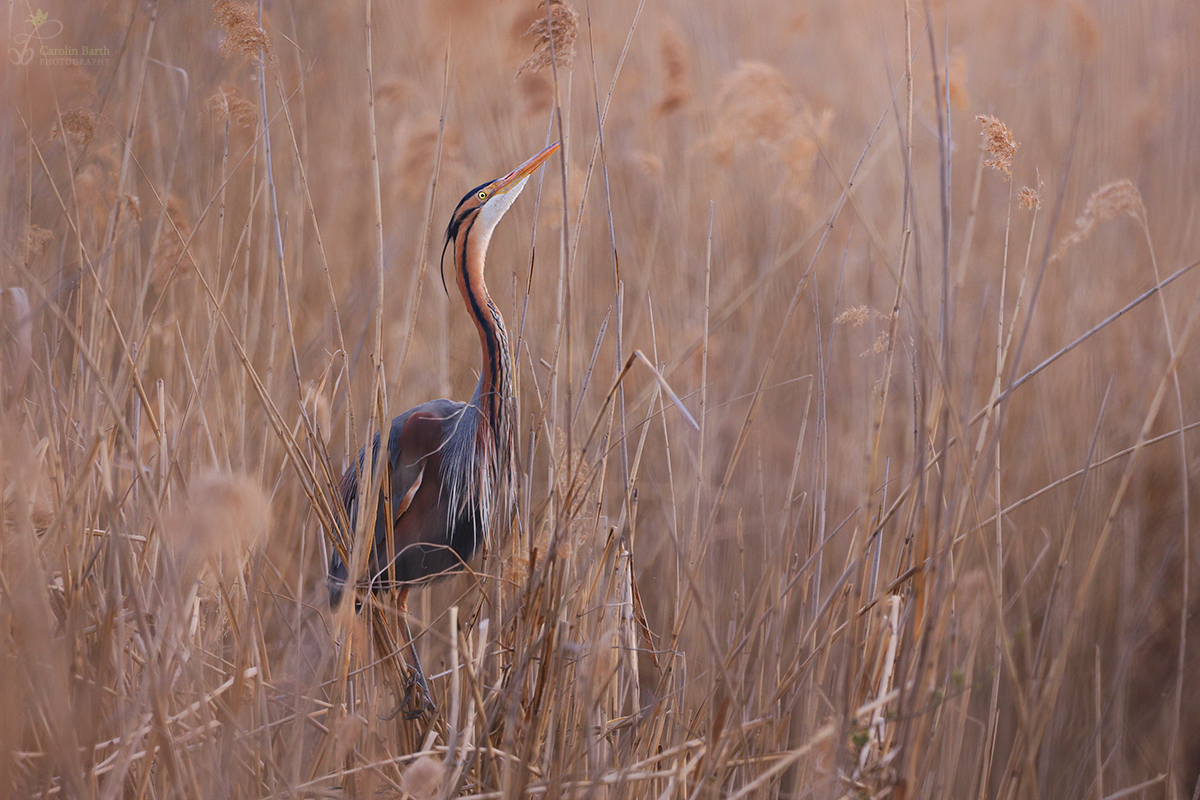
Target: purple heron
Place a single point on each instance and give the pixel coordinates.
(449, 467)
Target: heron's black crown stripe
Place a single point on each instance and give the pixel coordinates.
(456, 219)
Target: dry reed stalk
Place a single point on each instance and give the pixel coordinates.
(317, 407)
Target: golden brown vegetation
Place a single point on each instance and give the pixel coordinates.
(935, 537)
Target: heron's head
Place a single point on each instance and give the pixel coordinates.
(481, 208)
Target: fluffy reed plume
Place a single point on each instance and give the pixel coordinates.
(798, 150)
(554, 35)
(32, 498)
(76, 127)
(537, 91)
(998, 143)
(93, 184)
(422, 780)
(956, 78)
(37, 241)
(677, 70)
(169, 249)
(756, 108)
(1085, 33)
(227, 103)
(395, 92)
(855, 317)
(755, 103)
(1029, 199)
(243, 34)
(227, 518)
(1108, 202)
(129, 211)
(879, 345)
(648, 164)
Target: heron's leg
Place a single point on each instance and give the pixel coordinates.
(417, 678)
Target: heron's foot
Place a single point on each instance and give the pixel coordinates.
(417, 699)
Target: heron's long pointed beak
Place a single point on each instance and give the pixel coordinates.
(524, 171)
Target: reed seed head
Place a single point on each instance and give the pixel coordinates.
(243, 34)
(999, 144)
(1108, 202)
(855, 316)
(37, 241)
(1029, 199)
(554, 36)
(228, 516)
(677, 70)
(228, 104)
(76, 127)
(423, 779)
(172, 239)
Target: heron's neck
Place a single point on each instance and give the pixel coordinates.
(494, 391)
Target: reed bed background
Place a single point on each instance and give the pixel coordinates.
(933, 538)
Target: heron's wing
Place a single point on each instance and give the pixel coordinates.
(407, 499)
(416, 454)
(348, 489)
(409, 510)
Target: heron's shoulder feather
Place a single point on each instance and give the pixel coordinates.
(422, 431)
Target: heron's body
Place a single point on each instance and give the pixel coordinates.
(449, 470)
(428, 540)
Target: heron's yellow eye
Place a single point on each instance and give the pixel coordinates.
(483, 195)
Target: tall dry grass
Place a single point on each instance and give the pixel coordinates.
(935, 535)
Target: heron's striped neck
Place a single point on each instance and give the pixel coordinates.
(488, 422)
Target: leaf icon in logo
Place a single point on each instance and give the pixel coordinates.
(37, 19)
